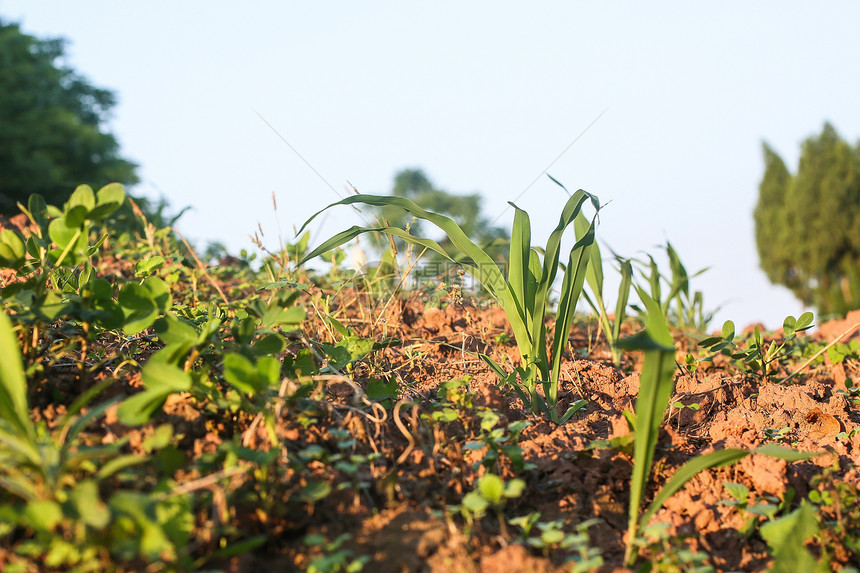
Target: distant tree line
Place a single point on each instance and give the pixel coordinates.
(52, 124)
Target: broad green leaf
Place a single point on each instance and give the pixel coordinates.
(89, 505)
(728, 330)
(787, 537)
(109, 199)
(475, 503)
(82, 196)
(514, 488)
(159, 292)
(285, 317)
(269, 344)
(149, 265)
(141, 308)
(492, 488)
(242, 374)
(160, 380)
(315, 491)
(379, 390)
(43, 515)
(61, 233)
(12, 249)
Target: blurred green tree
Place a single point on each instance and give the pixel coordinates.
(808, 224)
(464, 209)
(52, 132)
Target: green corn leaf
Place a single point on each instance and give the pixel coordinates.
(685, 473)
(574, 278)
(655, 388)
(519, 260)
(482, 267)
(623, 297)
(783, 453)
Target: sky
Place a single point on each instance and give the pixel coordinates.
(666, 105)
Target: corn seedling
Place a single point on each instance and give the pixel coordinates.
(656, 384)
(594, 277)
(687, 311)
(523, 294)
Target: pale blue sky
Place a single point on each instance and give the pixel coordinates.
(482, 96)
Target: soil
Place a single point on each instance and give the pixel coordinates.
(572, 480)
(405, 520)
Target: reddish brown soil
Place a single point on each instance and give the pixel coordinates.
(570, 480)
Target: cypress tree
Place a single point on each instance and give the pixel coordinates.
(807, 228)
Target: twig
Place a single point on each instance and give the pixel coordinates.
(406, 433)
(708, 391)
(204, 482)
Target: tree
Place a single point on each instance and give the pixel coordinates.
(808, 224)
(464, 209)
(52, 135)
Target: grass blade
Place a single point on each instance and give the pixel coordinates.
(13, 384)
(686, 472)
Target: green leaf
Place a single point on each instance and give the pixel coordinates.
(514, 488)
(89, 505)
(242, 374)
(475, 503)
(655, 388)
(289, 318)
(12, 248)
(379, 390)
(62, 233)
(492, 488)
(13, 385)
(160, 380)
(43, 515)
(784, 453)
(787, 537)
(148, 266)
(109, 199)
(269, 344)
(685, 473)
(82, 196)
(728, 330)
(160, 293)
(141, 308)
(315, 491)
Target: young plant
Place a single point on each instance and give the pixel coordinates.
(656, 384)
(594, 277)
(751, 512)
(523, 293)
(491, 492)
(759, 357)
(688, 312)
